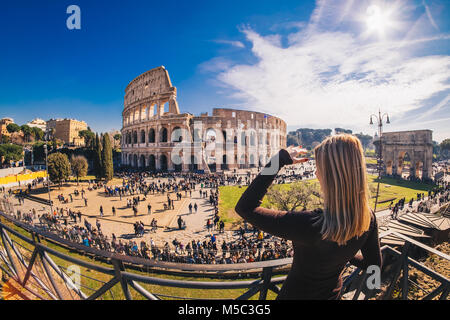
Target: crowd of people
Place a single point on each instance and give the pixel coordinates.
(250, 246)
(436, 196)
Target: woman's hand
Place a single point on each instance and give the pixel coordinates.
(295, 152)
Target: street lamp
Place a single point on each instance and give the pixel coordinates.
(48, 180)
(379, 118)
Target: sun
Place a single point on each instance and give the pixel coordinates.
(377, 20)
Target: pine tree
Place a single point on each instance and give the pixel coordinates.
(107, 159)
(98, 158)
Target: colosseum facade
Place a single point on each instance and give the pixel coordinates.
(156, 136)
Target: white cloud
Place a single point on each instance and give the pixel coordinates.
(330, 76)
(237, 44)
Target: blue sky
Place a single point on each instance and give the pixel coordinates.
(320, 64)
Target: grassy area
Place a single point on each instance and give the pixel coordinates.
(93, 279)
(390, 189)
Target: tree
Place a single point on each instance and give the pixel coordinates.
(117, 136)
(97, 158)
(445, 148)
(107, 160)
(342, 130)
(79, 166)
(365, 139)
(299, 194)
(13, 127)
(27, 132)
(89, 137)
(11, 152)
(58, 167)
(5, 139)
(37, 133)
(38, 151)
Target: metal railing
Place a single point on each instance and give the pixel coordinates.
(30, 264)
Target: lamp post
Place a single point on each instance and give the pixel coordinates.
(379, 118)
(48, 180)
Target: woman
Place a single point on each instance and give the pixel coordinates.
(323, 240)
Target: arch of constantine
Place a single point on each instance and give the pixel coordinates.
(414, 148)
(156, 136)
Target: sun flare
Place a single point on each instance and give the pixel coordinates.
(377, 20)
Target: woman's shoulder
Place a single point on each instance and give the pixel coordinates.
(311, 215)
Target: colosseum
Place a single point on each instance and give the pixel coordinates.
(156, 136)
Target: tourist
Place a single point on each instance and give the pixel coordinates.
(324, 240)
(149, 209)
(114, 211)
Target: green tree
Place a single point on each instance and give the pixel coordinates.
(13, 127)
(304, 195)
(5, 139)
(38, 151)
(445, 148)
(98, 158)
(11, 152)
(342, 130)
(89, 137)
(27, 132)
(107, 159)
(79, 166)
(37, 133)
(58, 167)
(365, 139)
(117, 136)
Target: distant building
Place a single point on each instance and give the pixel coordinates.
(38, 123)
(66, 130)
(3, 126)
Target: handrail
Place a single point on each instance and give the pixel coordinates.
(266, 282)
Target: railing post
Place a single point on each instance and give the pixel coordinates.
(266, 277)
(402, 259)
(8, 252)
(118, 268)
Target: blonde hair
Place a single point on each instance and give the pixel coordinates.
(341, 169)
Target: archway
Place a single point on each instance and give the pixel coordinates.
(163, 162)
(404, 165)
(193, 165)
(163, 135)
(151, 136)
(252, 161)
(418, 173)
(224, 165)
(389, 169)
(135, 139)
(177, 135)
(142, 136)
(142, 161)
(135, 161)
(152, 162)
(242, 161)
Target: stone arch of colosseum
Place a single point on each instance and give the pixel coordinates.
(154, 135)
(408, 152)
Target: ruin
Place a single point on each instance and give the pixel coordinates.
(158, 139)
(412, 148)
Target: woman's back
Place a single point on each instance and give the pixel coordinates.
(317, 263)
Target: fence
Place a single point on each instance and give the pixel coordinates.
(13, 180)
(28, 262)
